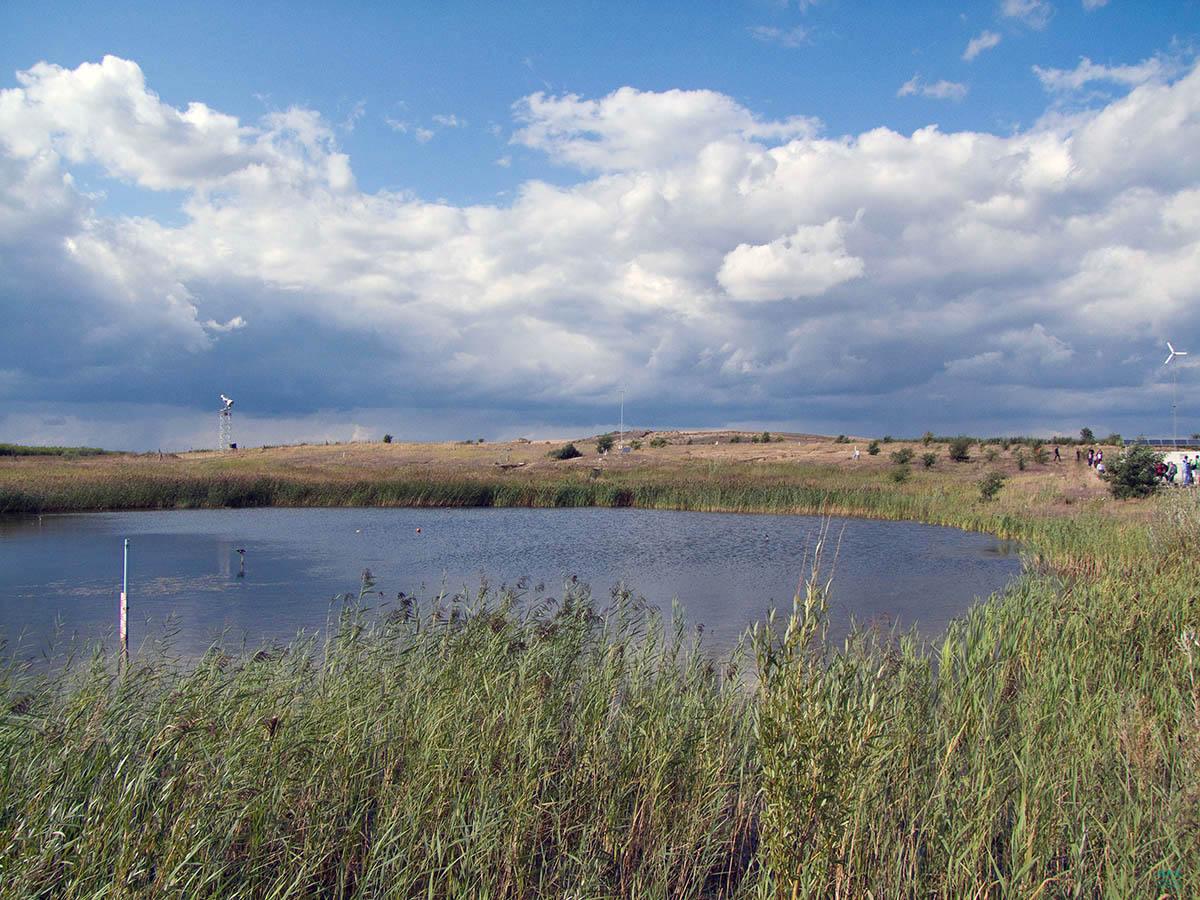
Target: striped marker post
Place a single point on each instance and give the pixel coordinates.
(125, 608)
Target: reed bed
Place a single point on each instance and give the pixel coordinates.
(1048, 746)
(500, 748)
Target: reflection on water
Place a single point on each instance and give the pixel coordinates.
(727, 570)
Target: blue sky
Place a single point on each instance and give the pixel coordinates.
(462, 220)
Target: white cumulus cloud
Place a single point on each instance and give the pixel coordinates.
(986, 41)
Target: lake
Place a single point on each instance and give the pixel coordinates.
(728, 570)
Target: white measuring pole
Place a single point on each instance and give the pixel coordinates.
(125, 606)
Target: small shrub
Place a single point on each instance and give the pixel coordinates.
(689, 440)
(991, 454)
(1114, 439)
(387, 438)
(604, 443)
(900, 474)
(841, 439)
(989, 485)
(1040, 456)
(1133, 474)
(1021, 460)
(736, 439)
(635, 445)
(873, 448)
(567, 451)
(766, 437)
(927, 438)
(960, 448)
(929, 459)
(903, 456)
(887, 438)
(658, 442)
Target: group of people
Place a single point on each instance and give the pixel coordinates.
(1095, 458)
(1167, 471)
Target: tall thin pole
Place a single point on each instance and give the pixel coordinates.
(622, 418)
(1174, 408)
(125, 607)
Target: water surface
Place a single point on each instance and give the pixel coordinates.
(726, 569)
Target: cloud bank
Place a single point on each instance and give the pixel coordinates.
(721, 267)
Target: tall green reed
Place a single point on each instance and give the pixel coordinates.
(499, 746)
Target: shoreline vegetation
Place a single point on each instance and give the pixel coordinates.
(1047, 745)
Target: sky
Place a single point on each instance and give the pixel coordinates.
(452, 221)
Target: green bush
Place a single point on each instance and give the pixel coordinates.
(635, 445)
(989, 485)
(387, 438)
(1086, 436)
(841, 439)
(929, 459)
(960, 448)
(1021, 459)
(736, 439)
(900, 474)
(604, 443)
(927, 438)
(1040, 456)
(873, 448)
(903, 456)
(887, 439)
(567, 451)
(658, 442)
(1133, 474)
(991, 454)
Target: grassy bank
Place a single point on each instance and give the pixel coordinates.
(1047, 746)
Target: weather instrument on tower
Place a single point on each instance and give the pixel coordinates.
(225, 425)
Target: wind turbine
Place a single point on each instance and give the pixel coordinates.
(1174, 386)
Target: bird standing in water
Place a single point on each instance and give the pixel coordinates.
(241, 552)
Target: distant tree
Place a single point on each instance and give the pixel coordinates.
(960, 448)
(989, 485)
(1133, 475)
(1114, 439)
(927, 438)
(387, 438)
(604, 443)
(567, 451)
(766, 437)
(1086, 436)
